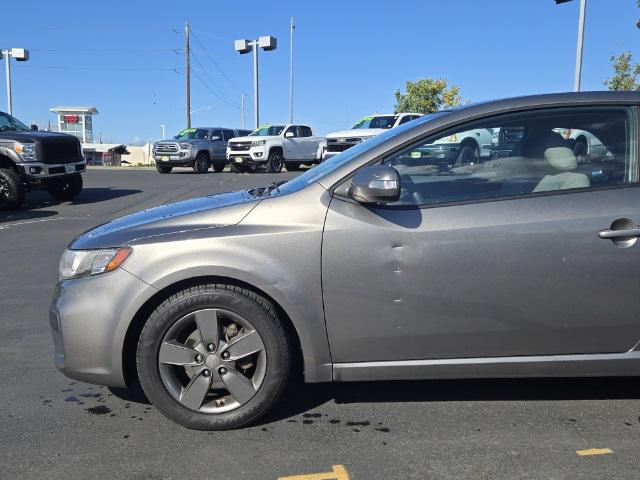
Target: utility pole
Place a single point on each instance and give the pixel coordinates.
(242, 108)
(578, 72)
(292, 28)
(187, 72)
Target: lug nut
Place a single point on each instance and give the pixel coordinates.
(222, 370)
(211, 347)
(206, 373)
(199, 358)
(225, 355)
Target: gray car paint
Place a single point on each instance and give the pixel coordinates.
(281, 245)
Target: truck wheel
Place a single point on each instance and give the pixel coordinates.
(469, 154)
(201, 163)
(292, 166)
(12, 191)
(163, 169)
(274, 163)
(218, 167)
(214, 357)
(66, 188)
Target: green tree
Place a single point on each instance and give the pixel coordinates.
(625, 73)
(427, 95)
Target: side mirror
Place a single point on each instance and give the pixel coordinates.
(289, 135)
(215, 139)
(34, 127)
(375, 184)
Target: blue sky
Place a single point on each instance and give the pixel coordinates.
(350, 56)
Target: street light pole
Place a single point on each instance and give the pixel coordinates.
(256, 99)
(245, 46)
(578, 73)
(8, 74)
(162, 127)
(20, 55)
(292, 28)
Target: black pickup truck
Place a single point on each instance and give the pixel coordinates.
(35, 160)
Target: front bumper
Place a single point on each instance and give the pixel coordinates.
(89, 318)
(248, 157)
(39, 171)
(181, 158)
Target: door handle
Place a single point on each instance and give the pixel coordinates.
(627, 232)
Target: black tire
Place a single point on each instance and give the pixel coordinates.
(163, 169)
(66, 188)
(469, 154)
(292, 166)
(218, 167)
(580, 150)
(12, 191)
(275, 162)
(201, 163)
(246, 303)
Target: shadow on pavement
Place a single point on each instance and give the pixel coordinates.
(20, 215)
(300, 398)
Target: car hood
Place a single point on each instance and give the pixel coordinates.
(194, 214)
(356, 132)
(32, 135)
(253, 138)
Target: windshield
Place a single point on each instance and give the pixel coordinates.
(192, 134)
(328, 166)
(7, 122)
(267, 131)
(385, 121)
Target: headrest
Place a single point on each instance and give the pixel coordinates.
(561, 158)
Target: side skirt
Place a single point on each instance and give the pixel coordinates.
(590, 365)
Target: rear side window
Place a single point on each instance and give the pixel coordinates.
(217, 133)
(305, 131)
(406, 118)
(521, 154)
(227, 135)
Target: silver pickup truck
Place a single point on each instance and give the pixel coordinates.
(199, 148)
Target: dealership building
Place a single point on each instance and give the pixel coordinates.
(76, 121)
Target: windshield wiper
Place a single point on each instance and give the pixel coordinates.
(266, 191)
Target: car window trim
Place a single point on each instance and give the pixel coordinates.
(634, 108)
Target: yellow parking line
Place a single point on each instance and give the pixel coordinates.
(338, 473)
(594, 451)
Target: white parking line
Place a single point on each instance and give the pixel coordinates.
(9, 225)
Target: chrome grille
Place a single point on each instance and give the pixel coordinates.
(166, 147)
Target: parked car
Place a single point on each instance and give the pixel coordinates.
(364, 129)
(199, 148)
(374, 265)
(34, 160)
(276, 146)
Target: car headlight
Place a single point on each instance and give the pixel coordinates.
(26, 150)
(258, 143)
(82, 263)
(186, 146)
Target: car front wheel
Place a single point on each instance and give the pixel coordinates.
(12, 191)
(214, 357)
(275, 162)
(201, 163)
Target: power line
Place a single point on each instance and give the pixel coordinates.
(141, 69)
(205, 33)
(220, 94)
(116, 50)
(213, 91)
(218, 66)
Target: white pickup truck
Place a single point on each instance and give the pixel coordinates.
(364, 129)
(275, 146)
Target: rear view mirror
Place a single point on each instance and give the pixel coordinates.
(34, 127)
(375, 184)
(215, 139)
(289, 135)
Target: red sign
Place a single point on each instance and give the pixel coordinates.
(71, 118)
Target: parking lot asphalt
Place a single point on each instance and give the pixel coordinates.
(53, 427)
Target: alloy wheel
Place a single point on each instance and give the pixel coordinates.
(212, 361)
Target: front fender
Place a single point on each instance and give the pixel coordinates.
(276, 249)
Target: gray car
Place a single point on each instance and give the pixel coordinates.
(199, 148)
(379, 264)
